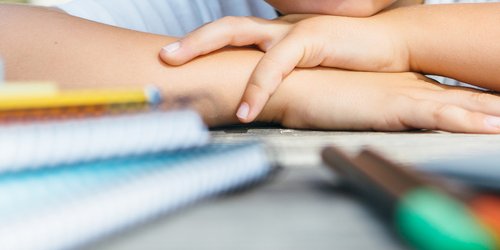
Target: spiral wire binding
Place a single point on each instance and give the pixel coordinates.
(43, 144)
(72, 206)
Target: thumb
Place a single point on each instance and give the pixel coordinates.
(235, 31)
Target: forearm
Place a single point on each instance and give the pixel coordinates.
(46, 45)
(458, 41)
(39, 44)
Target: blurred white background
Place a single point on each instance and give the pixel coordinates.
(38, 2)
(47, 2)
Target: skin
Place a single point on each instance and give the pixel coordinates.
(41, 44)
(358, 8)
(382, 43)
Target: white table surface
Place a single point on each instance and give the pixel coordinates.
(303, 207)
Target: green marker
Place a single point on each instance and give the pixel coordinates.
(426, 217)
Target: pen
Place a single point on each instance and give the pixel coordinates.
(31, 115)
(484, 208)
(81, 97)
(423, 214)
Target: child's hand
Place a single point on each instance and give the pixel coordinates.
(362, 44)
(347, 100)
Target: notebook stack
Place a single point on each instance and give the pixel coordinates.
(79, 165)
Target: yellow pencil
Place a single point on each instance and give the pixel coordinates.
(87, 97)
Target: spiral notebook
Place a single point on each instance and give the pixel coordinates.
(73, 205)
(66, 183)
(55, 142)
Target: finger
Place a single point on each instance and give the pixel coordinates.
(448, 117)
(274, 66)
(472, 100)
(466, 97)
(235, 31)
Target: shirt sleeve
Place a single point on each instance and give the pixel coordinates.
(166, 17)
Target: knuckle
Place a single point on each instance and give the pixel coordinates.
(479, 97)
(438, 111)
(441, 112)
(231, 21)
(259, 91)
(270, 71)
(234, 24)
(394, 119)
(227, 23)
(262, 92)
(264, 86)
(454, 119)
(270, 62)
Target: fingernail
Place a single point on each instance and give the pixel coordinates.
(171, 48)
(243, 111)
(493, 121)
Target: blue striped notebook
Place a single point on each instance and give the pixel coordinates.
(73, 205)
(65, 184)
(52, 143)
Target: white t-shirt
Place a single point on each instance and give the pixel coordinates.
(165, 17)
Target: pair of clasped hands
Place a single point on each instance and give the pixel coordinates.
(330, 37)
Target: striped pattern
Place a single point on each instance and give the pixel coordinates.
(166, 17)
(69, 207)
(52, 143)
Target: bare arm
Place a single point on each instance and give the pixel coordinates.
(455, 40)
(44, 44)
(49, 45)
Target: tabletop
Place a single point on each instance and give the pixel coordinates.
(303, 206)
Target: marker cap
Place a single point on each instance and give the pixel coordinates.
(431, 220)
(486, 208)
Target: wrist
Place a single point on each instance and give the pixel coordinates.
(400, 34)
(215, 97)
